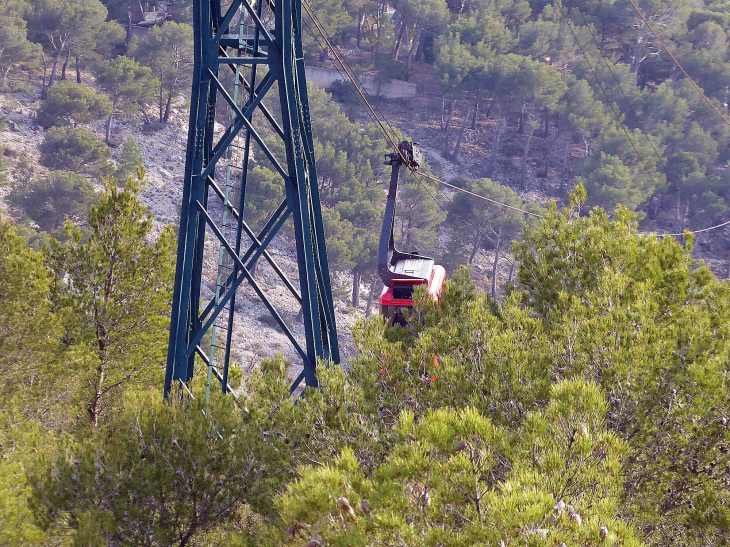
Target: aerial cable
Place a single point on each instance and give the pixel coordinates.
(339, 60)
(443, 182)
(345, 78)
(676, 62)
(605, 95)
(696, 231)
(354, 80)
(355, 83)
(618, 84)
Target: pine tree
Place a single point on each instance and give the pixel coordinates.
(115, 285)
(168, 51)
(48, 201)
(72, 103)
(128, 85)
(129, 160)
(74, 149)
(29, 331)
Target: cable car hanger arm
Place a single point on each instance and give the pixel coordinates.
(389, 257)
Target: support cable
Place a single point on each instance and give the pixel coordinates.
(439, 181)
(697, 231)
(361, 93)
(605, 94)
(618, 84)
(679, 65)
(355, 84)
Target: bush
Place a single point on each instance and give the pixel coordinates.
(129, 160)
(166, 472)
(74, 149)
(447, 482)
(48, 201)
(72, 103)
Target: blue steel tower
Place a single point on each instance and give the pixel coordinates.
(245, 52)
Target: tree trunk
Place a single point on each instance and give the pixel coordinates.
(525, 154)
(78, 70)
(376, 50)
(457, 146)
(93, 407)
(679, 208)
(521, 125)
(475, 248)
(451, 116)
(45, 71)
(168, 107)
(564, 166)
(491, 104)
(495, 145)
(548, 160)
(421, 46)
(398, 40)
(56, 58)
(356, 289)
(494, 270)
(414, 45)
(109, 123)
(161, 99)
(373, 287)
(511, 273)
(360, 17)
(474, 252)
(476, 110)
(443, 109)
(65, 64)
(253, 270)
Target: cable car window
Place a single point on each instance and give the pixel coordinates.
(401, 292)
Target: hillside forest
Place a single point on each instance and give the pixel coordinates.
(569, 388)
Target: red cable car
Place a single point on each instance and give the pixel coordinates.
(400, 271)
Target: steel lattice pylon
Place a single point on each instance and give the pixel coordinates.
(246, 51)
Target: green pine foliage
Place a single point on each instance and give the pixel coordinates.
(586, 408)
(29, 330)
(72, 103)
(74, 149)
(454, 478)
(113, 287)
(129, 160)
(48, 201)
(161, 473)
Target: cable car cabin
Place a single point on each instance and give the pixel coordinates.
(397, 298)
(401, 271)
